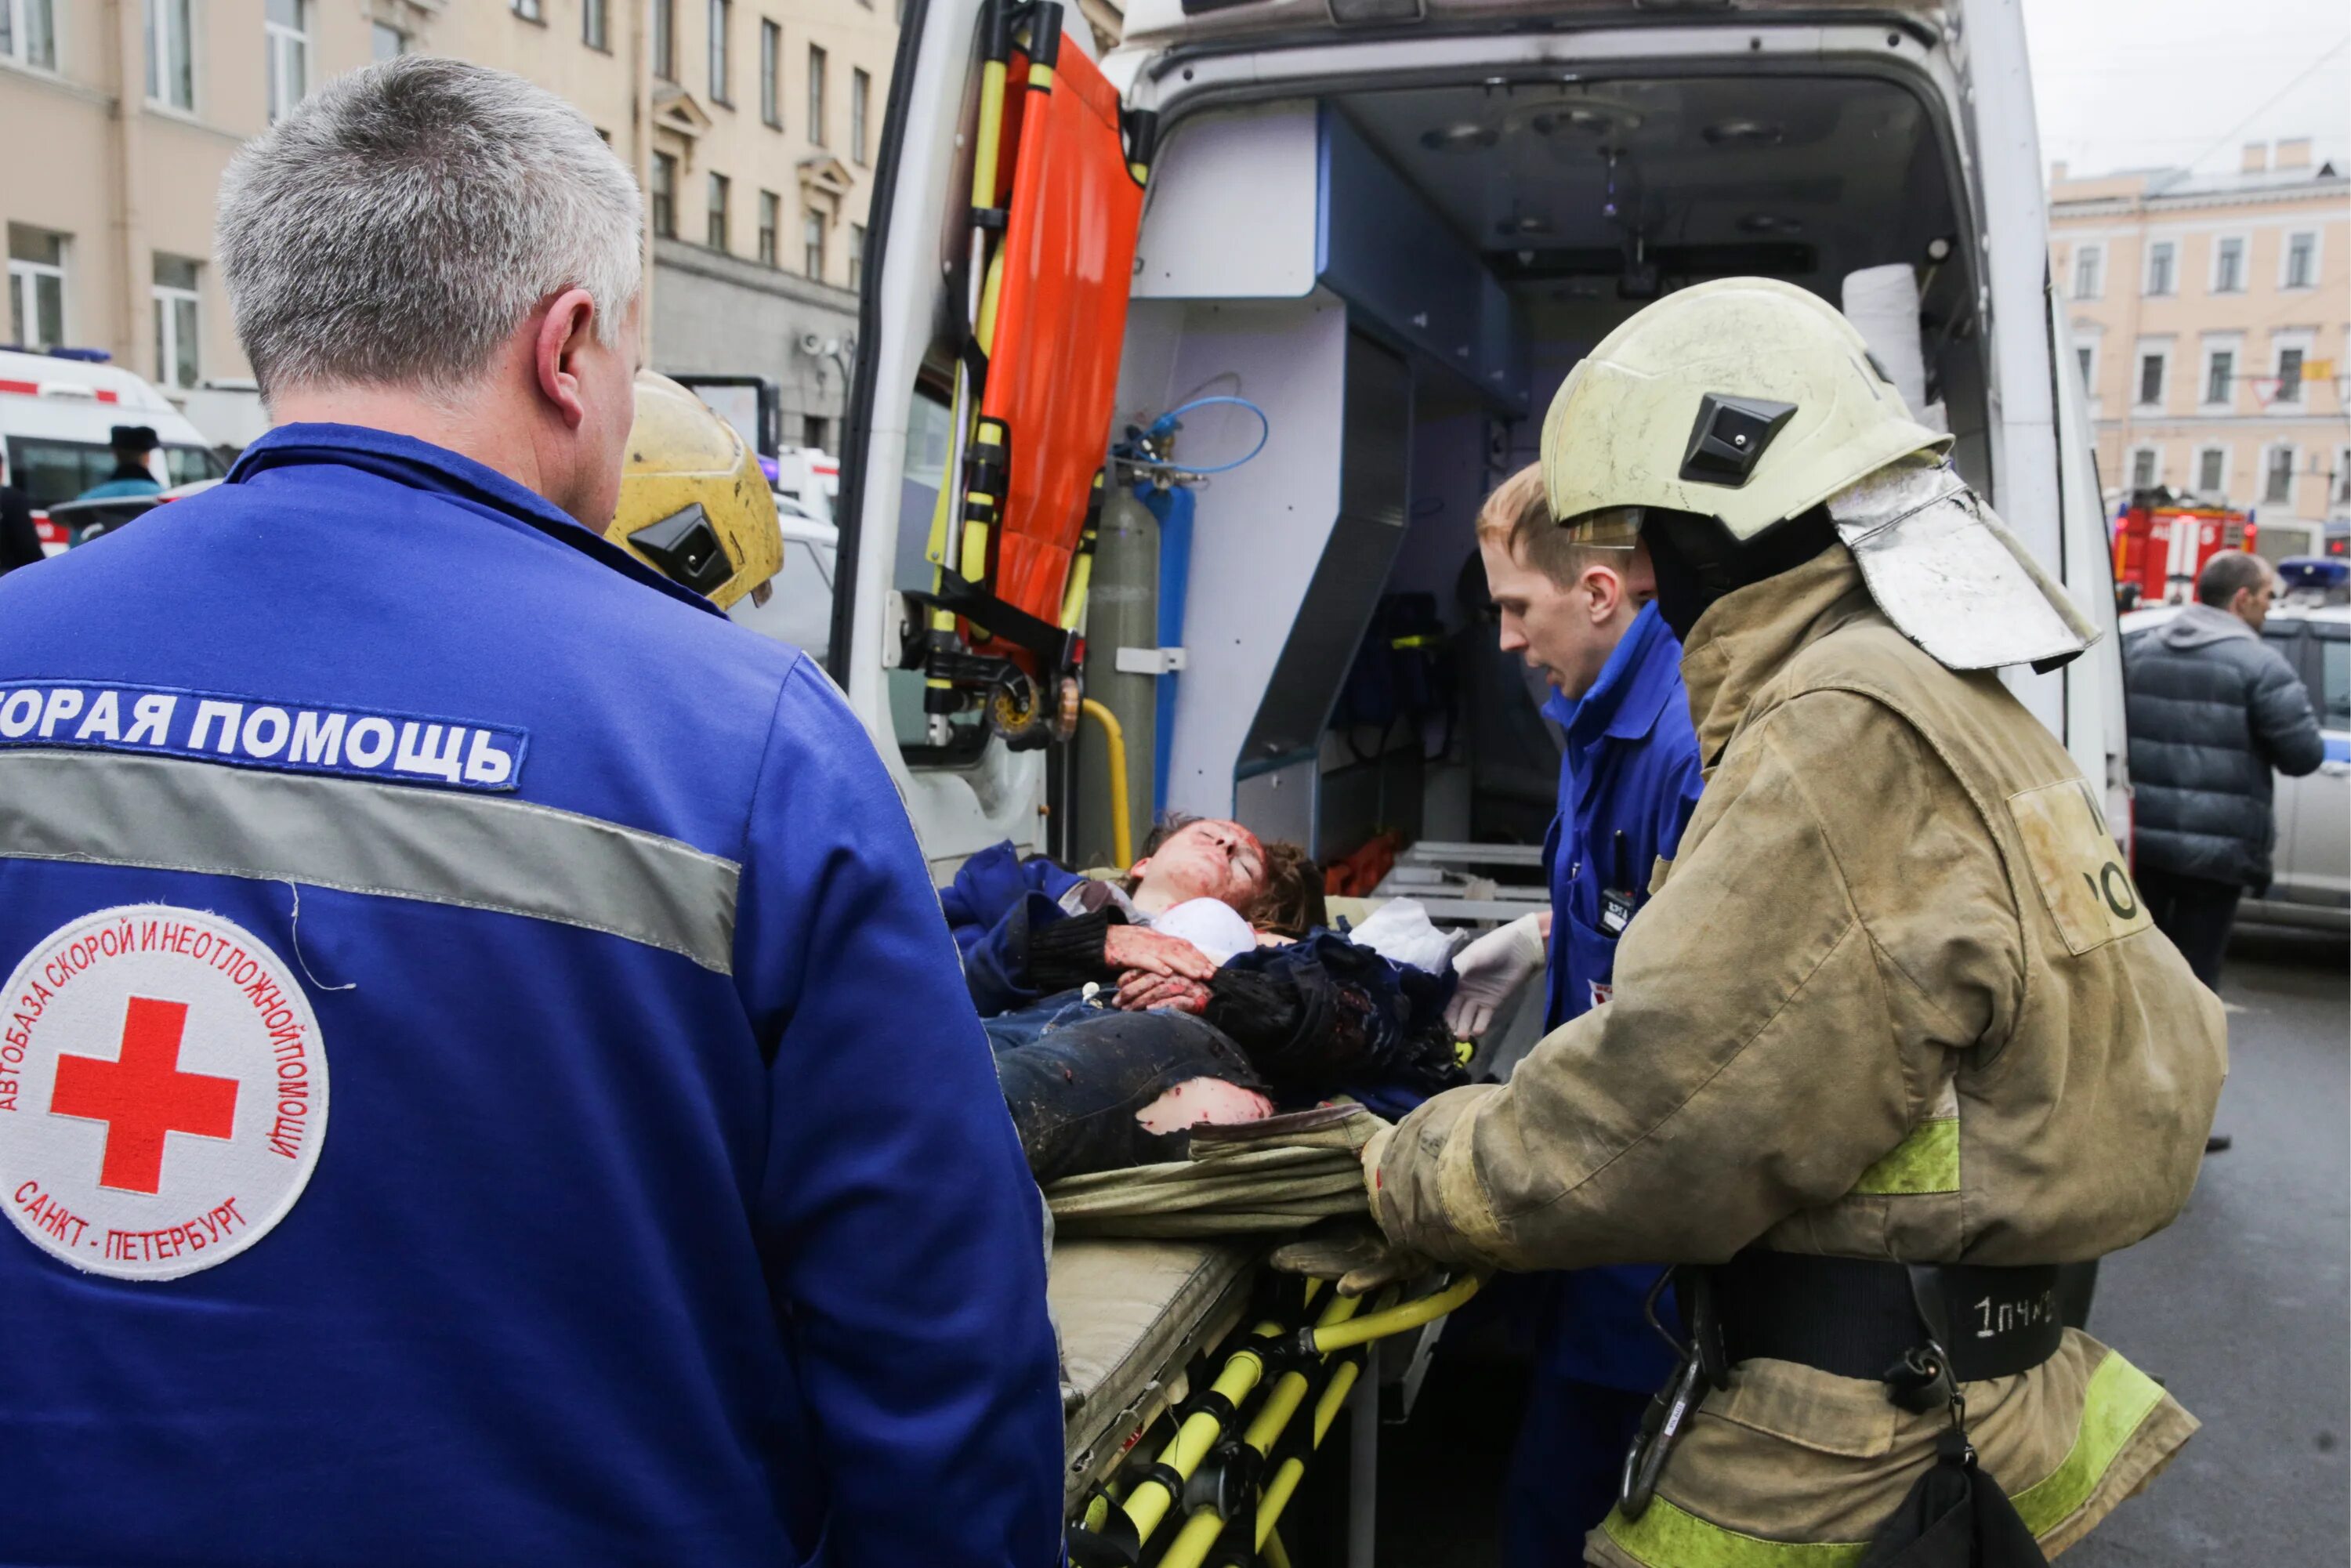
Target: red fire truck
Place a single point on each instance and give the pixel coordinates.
(2162, 542)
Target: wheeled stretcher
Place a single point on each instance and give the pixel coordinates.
(1199, 1386)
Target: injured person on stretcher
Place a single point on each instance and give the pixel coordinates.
(1200, 989)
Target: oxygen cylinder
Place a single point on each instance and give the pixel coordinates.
(1121, 612)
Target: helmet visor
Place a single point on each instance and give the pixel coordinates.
(1606, 527)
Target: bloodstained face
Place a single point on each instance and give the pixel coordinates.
(1207, 859)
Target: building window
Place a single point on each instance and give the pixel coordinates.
(2219, 376)
(2277, 479)
(663, 27)
(176, 336)
(722, 14)
(771, 217)
(2228, 265)
(37, 287)
(860, 94)
(816, 96)
(2301, 261)
(772, 78)
(2143, 469)
(856, 255)
(529, 10)
(2162, 266)
(812, 431)
(2212, 471)
(2289, 376)
(2152, 363)
(596, 24)
(716, 236)
(664, 195)
(171, 54)
(386, 43)
(2089, 263)
(2343, 476)
(29, 32)
(812, 243)
(2086, 357)
(285, 35)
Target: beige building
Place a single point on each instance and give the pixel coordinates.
(2211, 317)
(751, 124)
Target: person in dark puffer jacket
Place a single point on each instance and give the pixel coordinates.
(2212, 709)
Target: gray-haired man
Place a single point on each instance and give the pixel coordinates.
(669, 1212)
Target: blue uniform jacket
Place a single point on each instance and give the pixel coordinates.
(665, 1208)
(1631, 766)
(993, 905)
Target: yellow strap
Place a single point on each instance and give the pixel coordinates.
(2119, 1399)
(1926, 1161)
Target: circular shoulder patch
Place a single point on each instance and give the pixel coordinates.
(162, 1092)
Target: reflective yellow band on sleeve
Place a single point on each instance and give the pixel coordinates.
(1926, 1161)
(1668, 1537)
(2119, 1399)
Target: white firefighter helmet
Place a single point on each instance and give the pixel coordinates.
(1752, 402)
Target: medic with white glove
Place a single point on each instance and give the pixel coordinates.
(1491, 970)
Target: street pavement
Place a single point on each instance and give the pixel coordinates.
(2243, 1308)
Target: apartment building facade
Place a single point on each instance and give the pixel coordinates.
(751, 125)
(2211, 323)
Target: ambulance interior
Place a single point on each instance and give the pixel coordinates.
(1385, 287)
(1380, 290)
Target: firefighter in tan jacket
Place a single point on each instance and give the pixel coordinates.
(1896, 1003)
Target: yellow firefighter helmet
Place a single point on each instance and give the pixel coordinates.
(1747, 400)
(693, 505)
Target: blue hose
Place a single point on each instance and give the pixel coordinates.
(1167, 423)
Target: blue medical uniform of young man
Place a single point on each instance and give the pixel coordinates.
(664, 1207)
(1628, 783)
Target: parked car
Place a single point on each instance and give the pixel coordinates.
(2312, 887)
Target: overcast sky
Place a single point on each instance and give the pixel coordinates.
(2124, 84)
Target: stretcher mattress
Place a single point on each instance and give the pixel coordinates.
(1133, 1314)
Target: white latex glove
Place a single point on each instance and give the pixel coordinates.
(1492, 968)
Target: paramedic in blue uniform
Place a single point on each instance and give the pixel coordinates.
(1628, 783)
(665, 1209)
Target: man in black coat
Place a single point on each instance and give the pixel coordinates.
(2212, 710)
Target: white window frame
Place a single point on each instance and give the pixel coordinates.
(2147, 268)
(2231, 344)
(2244, 262)
(721, 51)
(20, 34)
(2146, 449)
(22, 276)
(813, 245)
(769, 238)
(596, 24)
(718, 211)
(2317, 238)
(529, 10)
(159, 19)
(856, 256)
(2293, 473)
(282, 43)
(167, 299)
(2196, 474)
(2281, 340)
(771, 72)
(2094, 254)
(2340, 495)
(861, 109)
(2145, 350)
(377, 33)
(819, 66)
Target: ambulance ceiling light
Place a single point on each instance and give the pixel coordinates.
(1770, 224)
(1743, 133)
(1356, 13)
(1468, 136)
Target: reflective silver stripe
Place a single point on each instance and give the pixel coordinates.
(438, 846)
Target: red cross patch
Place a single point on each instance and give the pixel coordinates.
(162, 1092)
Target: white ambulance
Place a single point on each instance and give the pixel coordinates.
(55, 412)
